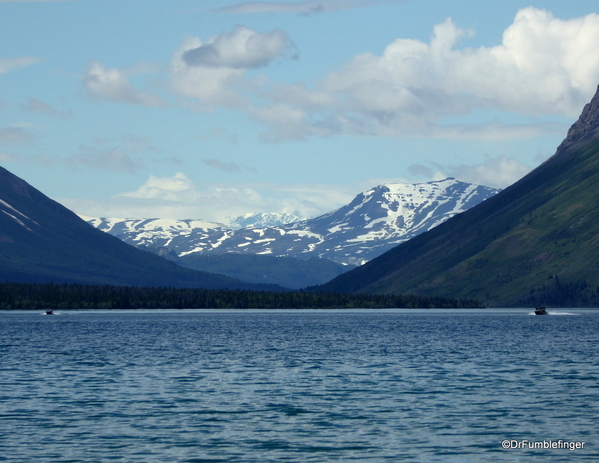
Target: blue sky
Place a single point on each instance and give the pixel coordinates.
(212, 109)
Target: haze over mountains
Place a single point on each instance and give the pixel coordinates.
(533, 243)
(374, 222)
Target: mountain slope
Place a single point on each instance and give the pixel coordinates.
(42, 241)
(263, 220)
(372, 223)
(533, 243)
(252, 268)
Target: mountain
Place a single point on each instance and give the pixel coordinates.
(263, 220)
(534, 243)
(42, 241)
(252, 268)
(162, 235)
(372, 223)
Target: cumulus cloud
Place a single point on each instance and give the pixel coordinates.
(8, 64)
(241, 49)
(211, 86)
(543, 66)
(286, 122)
(169, 188)
(304, 8)
(214, 72)
(113, 84)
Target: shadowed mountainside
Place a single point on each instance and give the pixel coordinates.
(41, 241)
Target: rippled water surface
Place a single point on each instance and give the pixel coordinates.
(297, 386)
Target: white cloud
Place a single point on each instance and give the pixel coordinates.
(168, 188)
(113, 84)
(241, 49)
(286, 122)
(212, 86)
(214, 72)
(544, 66)
(8, 64)
(178, 197)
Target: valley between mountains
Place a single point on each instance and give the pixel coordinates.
(279, 249)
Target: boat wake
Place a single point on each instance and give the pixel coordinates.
(556, 313)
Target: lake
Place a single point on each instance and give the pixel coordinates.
(299, 386)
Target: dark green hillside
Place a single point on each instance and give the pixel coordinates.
(536, 242)
(42, 241)
(253, 268)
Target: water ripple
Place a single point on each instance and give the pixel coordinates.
(318, 386)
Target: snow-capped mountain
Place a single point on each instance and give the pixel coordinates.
(263, 220)
(180, 236)
(372, 223)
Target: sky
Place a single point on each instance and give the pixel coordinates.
(213, 109)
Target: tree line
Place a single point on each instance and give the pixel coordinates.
(556, 293)
(25, 296)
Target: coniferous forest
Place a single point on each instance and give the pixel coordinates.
(23, 296)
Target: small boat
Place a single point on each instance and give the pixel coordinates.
(540, 311)
(49, 312)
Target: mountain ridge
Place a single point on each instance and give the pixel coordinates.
(526, 245)
(374, 221)
(41, 241)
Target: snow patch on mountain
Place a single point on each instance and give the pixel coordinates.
(4, 205)
(263, 220)
(374, 222)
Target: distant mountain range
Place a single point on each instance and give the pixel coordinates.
(534, 243)
(263, 220)
(42, 242)
(374, 222)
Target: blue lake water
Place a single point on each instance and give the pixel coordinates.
(298, 386)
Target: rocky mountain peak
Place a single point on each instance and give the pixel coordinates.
(373, 222)
(584, 129)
